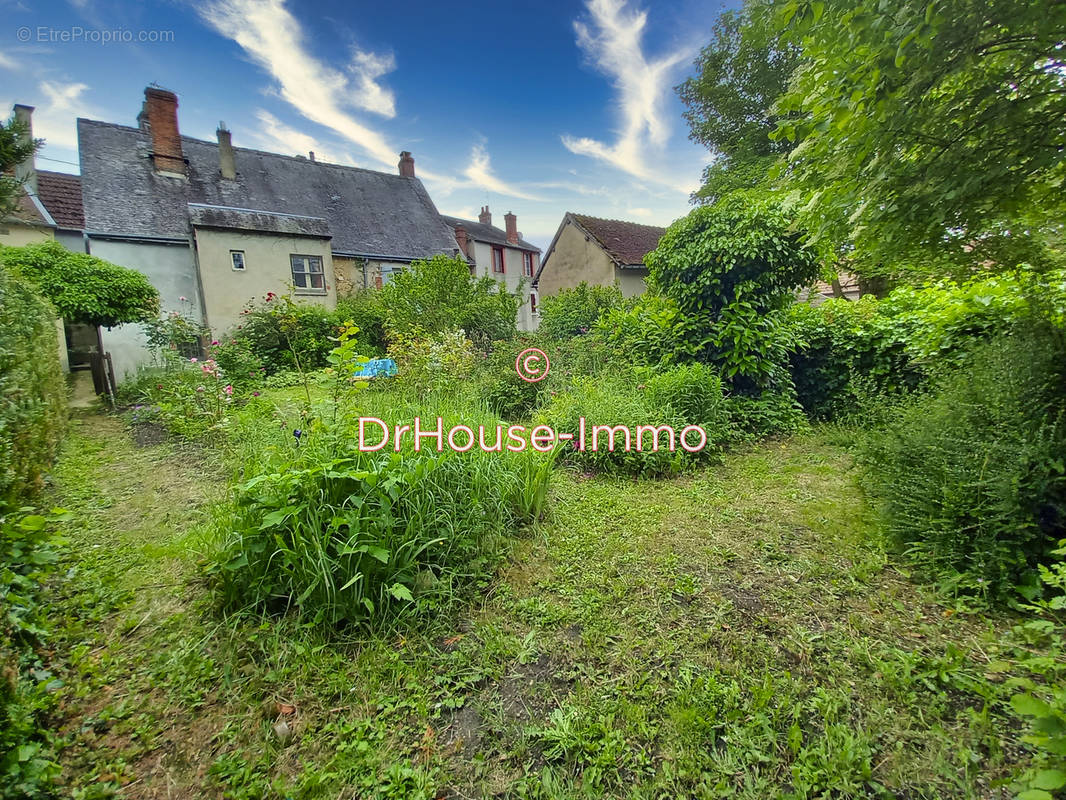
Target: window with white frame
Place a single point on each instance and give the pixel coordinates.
(236, 257)
(527, 264)
(497, 260)
(307, 274)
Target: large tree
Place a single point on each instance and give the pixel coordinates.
(922, 127)
(739, 77)
(15, 147)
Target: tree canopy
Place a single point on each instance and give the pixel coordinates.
(84, 288)
(15, 148)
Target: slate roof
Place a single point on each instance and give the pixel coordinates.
(368, 213)
(60, 193)
(625, 242)
(244, 219)
(481, 232)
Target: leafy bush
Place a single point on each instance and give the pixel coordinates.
(727, 266)
(971, 474)
(680, 397)
(32, 390)
(573, 312)
(442, 363)
(367, 311)
(29, 551)
(500, 385)
(342, 537)
(439, 294)
(84, 288)
(642, 331)
(187, 397)
(284, 334)
(178, 332)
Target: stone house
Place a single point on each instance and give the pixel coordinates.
(600, 252)
(215, 226)
(502, 255)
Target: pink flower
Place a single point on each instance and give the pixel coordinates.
(206, 368)
(193, 360)
(214, 343)
(255, 394)
(199, 388)
(228, 390)
(182, 298)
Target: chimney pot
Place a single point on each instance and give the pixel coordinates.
(26, 170)
(311, 154)
(407, 164)
(161, 113)
(227, 163)
(511, 221)
(485, 217)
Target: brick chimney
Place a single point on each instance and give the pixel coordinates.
(227, 164)
(407, 164)
(26, 170)
(511, 221)
(485, 218)
(460, 239)
(161, 115)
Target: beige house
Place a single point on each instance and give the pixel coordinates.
(600, 252)
(215, 227)
(502, 255)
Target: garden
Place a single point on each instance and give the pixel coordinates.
(855, 588)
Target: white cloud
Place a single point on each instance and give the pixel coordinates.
(275, 136)
(6, 62)
(54, 120)
(479, 174)
(273, 39)
(613, 42)
(640, 212)
(574, 188)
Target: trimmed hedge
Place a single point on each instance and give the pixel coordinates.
(32, 390)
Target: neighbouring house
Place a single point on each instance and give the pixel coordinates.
(502, 255)
(600, 252)
(29, 222)
(214, 226)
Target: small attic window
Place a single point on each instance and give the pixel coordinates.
(237, 258)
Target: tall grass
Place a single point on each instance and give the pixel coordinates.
(342, 537)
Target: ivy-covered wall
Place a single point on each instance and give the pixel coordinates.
(32, 389)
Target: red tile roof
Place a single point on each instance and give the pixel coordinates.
(60, 193)
(626, 242)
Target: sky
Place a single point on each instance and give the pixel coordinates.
(538, 108)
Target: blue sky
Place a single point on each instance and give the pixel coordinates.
(536, 108)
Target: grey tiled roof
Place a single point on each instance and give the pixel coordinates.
(248, 220)
(369, 213)
(488, 233)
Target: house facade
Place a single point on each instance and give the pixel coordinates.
(502, 255)
(600, 252)
(215, 226)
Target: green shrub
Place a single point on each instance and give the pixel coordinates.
(679, 397)
(643, 331)
(366, 309)
(439, 294)
(284, 334)
(342, 537)
(32, 390)
(574, 312)
(84, 288)
(971, 473)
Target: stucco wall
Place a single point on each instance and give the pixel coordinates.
(72, 240)
(171, 269)
(267, 268)
(15, 235)
(632, 281)
(575, 259)
(511, 278)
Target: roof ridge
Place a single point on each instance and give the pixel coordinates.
(621, 221)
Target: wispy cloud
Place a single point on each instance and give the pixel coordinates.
(479, 174)
(273, 39)
(275, 136)
(571, 187)
(53, 120)
(613, 41)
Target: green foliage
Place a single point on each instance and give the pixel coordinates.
(343, 537)
(499, 384)
(729, 102)
(642, 331)
(84, 288)
(284, 334)
(29, 551)
(677, 397)
(439, 294)
(919, 125)
(845, 351)
(573, 312)
(726, 266)
(433, 365)
(177, 333)
(366, 310)
(15, 147)
(971, 474)
(32, 391)
(187, 397)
